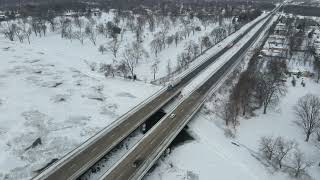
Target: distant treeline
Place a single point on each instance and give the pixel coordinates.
(165, 5)
(302, 10)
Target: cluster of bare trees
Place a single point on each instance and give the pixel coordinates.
(71, 28)
(20, 30)
(218, 34)
(132, 55)
(256, 88)
(191, 50)
(80, 28)
(307, 111)
(285, 155)
(86, 28)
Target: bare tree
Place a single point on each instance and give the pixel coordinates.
(283, 147)
(51, 19)
(123, 68)
(66, 28)
(20, 34)
(114, 46)
(271, 84)
(316, 65)
(101, 29)
(151, 22)
(192, 48)
(42, 27)
(245, 90)
(169, 68)
(79, 34)
(10, 31)
(79, 22)
(102, 49)
(132, 55)
(139, 52)
(269, 90)
(139, 28)
(91, 33)
(155, 68)
(268, 147)
(218, 34)
(169, 40)
(107, 69)
(156, 45)
(229, 114)
(27, 31)
(176, 38)
(205, 43)
(36, 27)
(308, 113)
(299, 164)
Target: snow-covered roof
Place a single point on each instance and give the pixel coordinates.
(276, 36)
(280, 28)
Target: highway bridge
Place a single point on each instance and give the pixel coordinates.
(142, 156)
(82, 158)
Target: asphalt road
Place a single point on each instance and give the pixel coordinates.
(141, 157)
(81, 160)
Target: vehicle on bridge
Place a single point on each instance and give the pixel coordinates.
(172, 116)
(137, 163)
(172, 84)
(230, 45)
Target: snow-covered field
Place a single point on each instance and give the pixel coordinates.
(44, 95)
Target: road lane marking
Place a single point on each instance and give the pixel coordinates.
(94, 149)
(72, 166)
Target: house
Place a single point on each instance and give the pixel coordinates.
(281, 29)
(2, 17)
(70, 14)
(317, 52)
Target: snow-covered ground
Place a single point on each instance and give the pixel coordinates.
(44, 95)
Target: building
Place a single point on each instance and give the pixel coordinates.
(281, 29)
(2, 16)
